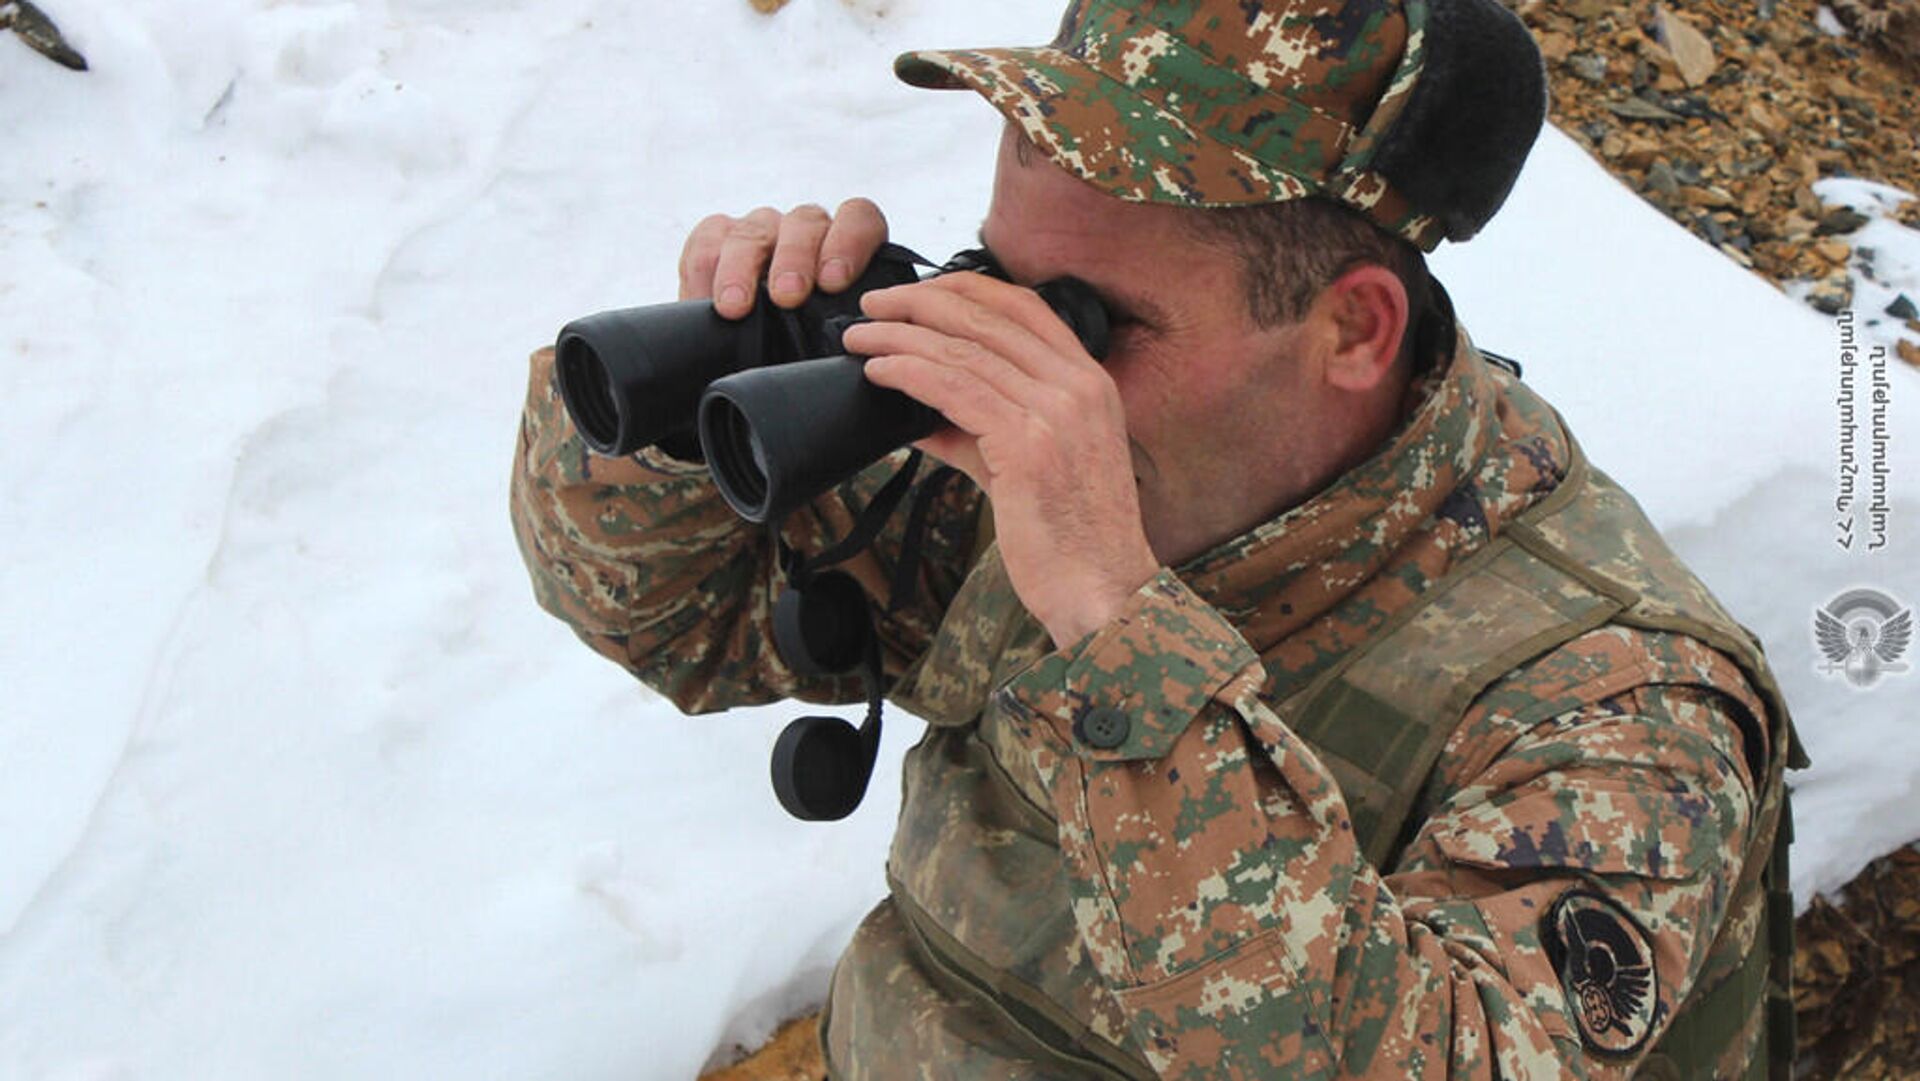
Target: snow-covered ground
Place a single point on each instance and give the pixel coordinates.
(295, 780)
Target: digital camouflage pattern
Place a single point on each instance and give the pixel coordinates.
(1210, 104)
(1120, 860)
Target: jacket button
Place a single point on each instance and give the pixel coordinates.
(1104, 727)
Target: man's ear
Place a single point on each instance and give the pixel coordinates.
(1367, 314)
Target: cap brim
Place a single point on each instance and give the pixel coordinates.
(1102, 130)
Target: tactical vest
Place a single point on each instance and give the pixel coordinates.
(978, 926)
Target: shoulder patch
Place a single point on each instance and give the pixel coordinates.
(1606, 968)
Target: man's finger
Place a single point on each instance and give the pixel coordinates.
(857, 232)
(743, 258)
(1020, 305)
(946, 309)
(969, 355)
(968, 403)
(957, 449)
(796, 255)
(701, 255)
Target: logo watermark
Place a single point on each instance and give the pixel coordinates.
(1863, 633)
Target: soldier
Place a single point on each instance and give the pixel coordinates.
(1300, 701)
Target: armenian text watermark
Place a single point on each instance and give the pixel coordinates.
(1850, 509)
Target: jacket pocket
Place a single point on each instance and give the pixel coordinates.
(1241, 1014)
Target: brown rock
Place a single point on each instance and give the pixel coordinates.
(1831, 294)
(1640, 109)
(1706, 196)
(1638, 155)
(1556, 46)
(767, 7)
(1589, 67)
(1690, 49)
(1908, 351)
(1841, 219)
(1660, 179)
(1833, 251)
(1762, 116)
(1840, 87)
(794, 1052)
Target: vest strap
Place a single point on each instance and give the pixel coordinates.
(1379, 723)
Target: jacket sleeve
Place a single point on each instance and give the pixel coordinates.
(644, 560)
(1218, 887)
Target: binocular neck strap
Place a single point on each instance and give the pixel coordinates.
(799, 569)
(906, 573)
(866, 526)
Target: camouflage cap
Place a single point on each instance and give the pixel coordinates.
(1233, 102)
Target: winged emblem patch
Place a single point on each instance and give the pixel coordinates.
(1606, 969)
(1863, 633)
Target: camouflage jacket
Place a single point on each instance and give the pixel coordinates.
(1116, 859)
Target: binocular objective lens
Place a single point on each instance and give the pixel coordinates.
(588, 389)
(738, 460)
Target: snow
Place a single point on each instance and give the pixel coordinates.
(299, 783)
(1885, 264)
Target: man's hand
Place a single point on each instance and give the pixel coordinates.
(725, 257)
(1038, 425)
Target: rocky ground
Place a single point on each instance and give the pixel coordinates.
(1857, 976)
(1723, 114)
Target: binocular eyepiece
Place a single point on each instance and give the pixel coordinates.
(772, 402)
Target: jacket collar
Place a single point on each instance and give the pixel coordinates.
(1318, 567)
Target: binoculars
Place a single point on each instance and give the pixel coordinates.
(772, 403)
(781, 413)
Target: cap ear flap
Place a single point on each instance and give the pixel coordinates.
(1069, 24)
(1474, 112)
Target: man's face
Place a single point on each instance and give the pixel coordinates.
(1216, 407)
